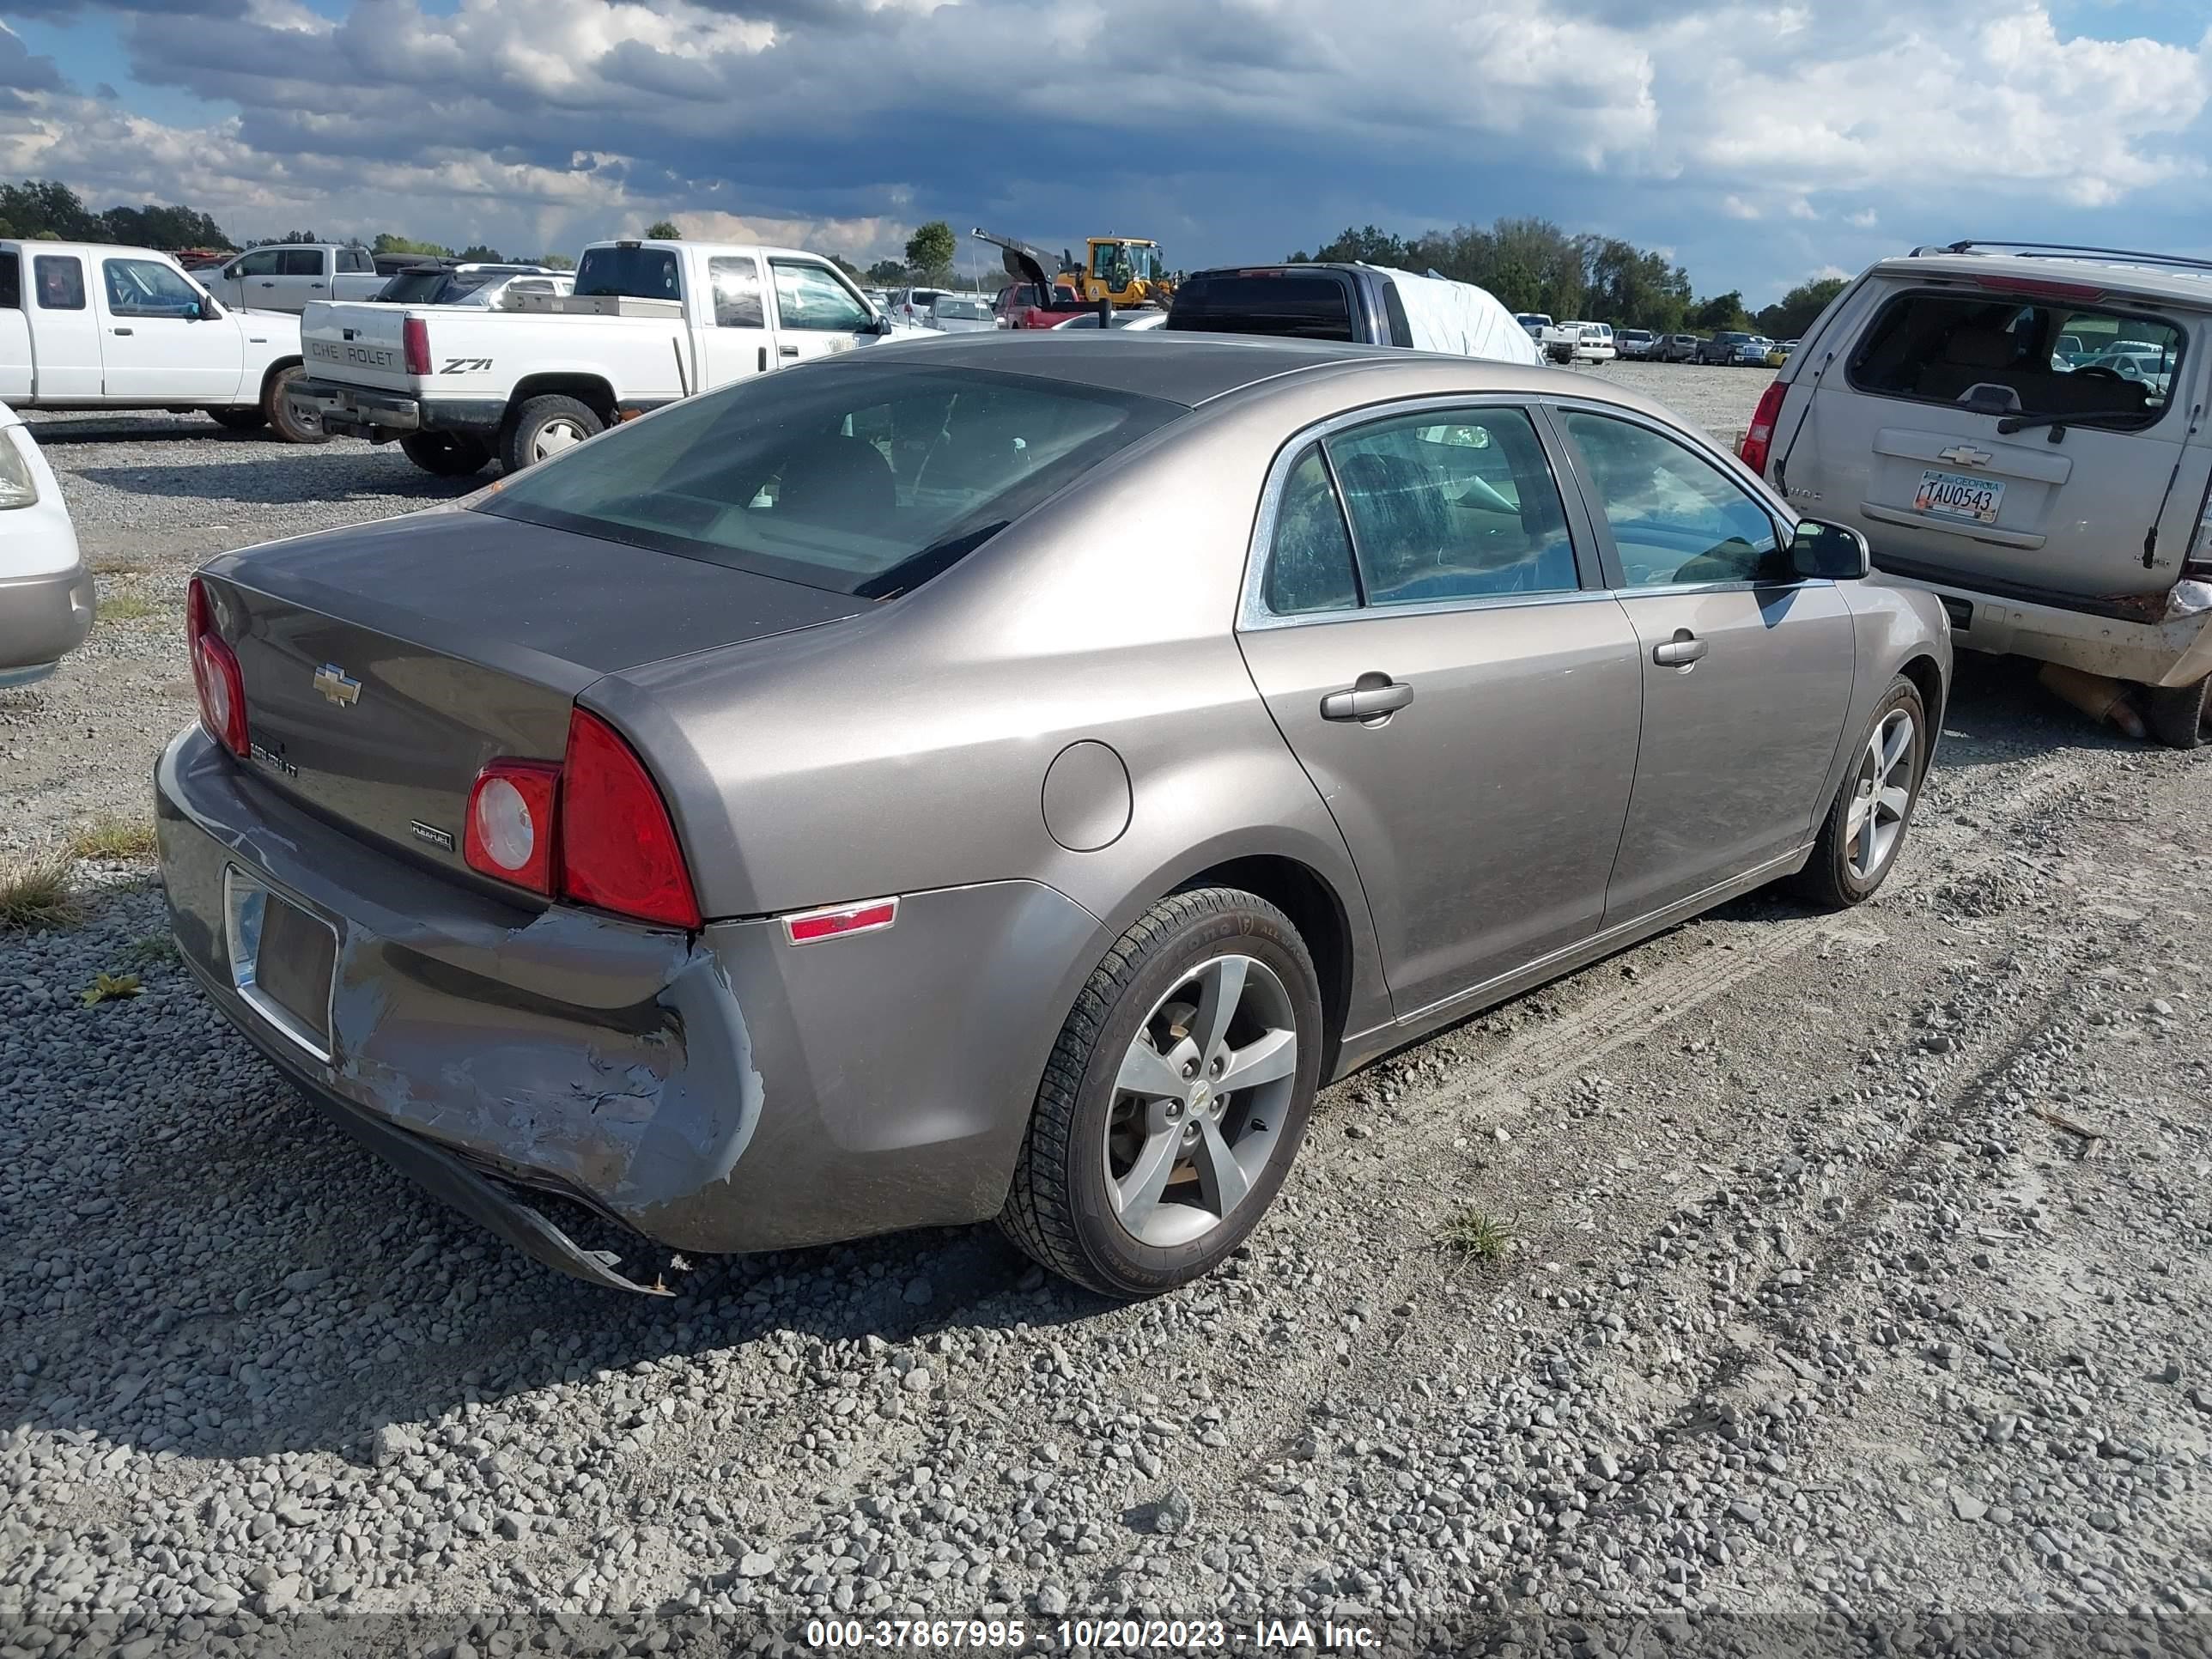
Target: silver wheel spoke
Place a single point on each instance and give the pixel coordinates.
(1893, 750)
(1221, 1178)
(1146, 1072)
(1892, 800)
(1274, 1056)
(1137, 1195)
(1222, 990)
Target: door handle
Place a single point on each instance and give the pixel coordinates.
(763, 360)
(1679, 651)
(787, 351)
(1370, 701)
(118, 331)
(314, 285)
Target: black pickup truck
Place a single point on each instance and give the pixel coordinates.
(1296, 302)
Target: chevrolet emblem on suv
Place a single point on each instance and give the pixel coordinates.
(338, 686)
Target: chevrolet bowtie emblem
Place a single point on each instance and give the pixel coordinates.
(1965, 455)
(335, 683)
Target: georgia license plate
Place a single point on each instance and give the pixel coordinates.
(1955, 496)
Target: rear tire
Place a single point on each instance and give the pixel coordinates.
(240, 420)
(445, 455)
(276, 408)
(2179, 716)
(542, 427)
(1210, 985)
(1864, 832)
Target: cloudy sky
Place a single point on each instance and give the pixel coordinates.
(1761, 143)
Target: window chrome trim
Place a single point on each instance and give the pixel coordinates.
(1253, 615)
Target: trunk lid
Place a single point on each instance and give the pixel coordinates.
(385, 665)
(356, 344)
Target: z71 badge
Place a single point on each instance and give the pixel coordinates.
(465, 365)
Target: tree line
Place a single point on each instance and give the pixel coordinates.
(1534, 265)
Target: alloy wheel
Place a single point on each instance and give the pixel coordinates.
(1200, 1100)
(1881, 795)
(555, 436)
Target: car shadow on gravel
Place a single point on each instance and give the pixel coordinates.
(2000, 695)
(323, 479)
(116, 429)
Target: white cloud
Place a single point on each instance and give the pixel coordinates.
(1864, 219)
(1736, 207)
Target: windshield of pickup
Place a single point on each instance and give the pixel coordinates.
(860, 479)
(631, 273)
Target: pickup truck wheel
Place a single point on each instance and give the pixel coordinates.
(277, 407)
(1175, 1099)
(544, 427)
(2180, 716)
(240, 420)
(443, 453)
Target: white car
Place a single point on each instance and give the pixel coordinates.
(46, 591)
(1140, 320)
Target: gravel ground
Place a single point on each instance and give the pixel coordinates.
(1857, 1294)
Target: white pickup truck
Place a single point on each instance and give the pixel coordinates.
(293, 275)
(86, 325)
(649, 322)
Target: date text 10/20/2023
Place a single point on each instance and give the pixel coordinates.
(1093, 1635)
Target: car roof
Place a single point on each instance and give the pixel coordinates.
(2115, 275)
(1191, 368)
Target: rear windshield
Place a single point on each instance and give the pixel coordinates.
(1301, 307)
(634, 273)
(2042, 358)
(412, 287)
(859, 479)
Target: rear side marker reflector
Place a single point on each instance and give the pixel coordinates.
(811, 927)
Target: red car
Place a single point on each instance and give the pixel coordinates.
(1018, 306)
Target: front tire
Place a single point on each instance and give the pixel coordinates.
(1864, 831)
(276, 408)
(446, 455)
(2179, 716)
(1175, 1100)
(542, 427)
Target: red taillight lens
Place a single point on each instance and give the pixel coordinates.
(510, 828)
(1758, 437)
(618, 844)
(415, 341)
(216, 677)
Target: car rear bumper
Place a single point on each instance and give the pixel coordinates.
(352, 411)
(2177, 652)
(42, 619)
(712, 1092)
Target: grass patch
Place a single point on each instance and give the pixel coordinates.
(116, 564)
(1475, 1235)
(155, 950)
(118, 841)
(126, 607)
(35, 895)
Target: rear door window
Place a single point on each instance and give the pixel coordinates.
(736, 281)
(2098, 365)
(11, 282)
(301, 262)
(61, 282)
(1460, 505)
(1309, 559)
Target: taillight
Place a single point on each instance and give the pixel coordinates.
(415, 341)
(1758, 437)
(510, 827)
(216, 677)
(618, 844)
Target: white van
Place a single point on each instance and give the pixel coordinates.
(2018, 428)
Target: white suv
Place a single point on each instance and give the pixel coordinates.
(2013, 427)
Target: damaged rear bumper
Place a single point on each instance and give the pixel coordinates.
(2151, 649)
(712, 1092)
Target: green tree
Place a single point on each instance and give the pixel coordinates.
(1722, 312)
(48, 210)
(386, 242)
(557, 262)
(1788, 318)
(1367, 245)
(300, 236)
(663, 230)
(154, 225)
(886, 273)
(931, 249)
(482, 253)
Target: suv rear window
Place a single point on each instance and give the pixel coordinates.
(2041, 358)
(865, 480)
(1299, 307)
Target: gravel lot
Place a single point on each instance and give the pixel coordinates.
(1859, 1277)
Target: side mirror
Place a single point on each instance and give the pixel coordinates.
(882, 324)
(1835, 551)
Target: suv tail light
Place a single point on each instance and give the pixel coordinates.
(216, 677)
(593, 828)
(1759, 436)
(415, 343)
